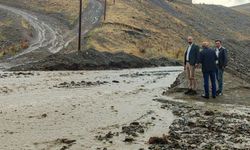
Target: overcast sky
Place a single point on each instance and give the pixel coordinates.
(223, 2)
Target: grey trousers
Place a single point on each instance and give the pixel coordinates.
(220, 79)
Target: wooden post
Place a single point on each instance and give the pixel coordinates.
(80, 27)
(105, 9)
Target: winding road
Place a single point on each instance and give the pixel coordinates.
(45, 34)
(50, 37)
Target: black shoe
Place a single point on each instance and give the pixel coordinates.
(193, 92)
(189, 90)
(219, 94)
(204, 96)
(214, 97)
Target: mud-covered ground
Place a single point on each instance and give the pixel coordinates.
(236, 90)
(93, 60)
(205, 126)
(69, 110)
(114, 110)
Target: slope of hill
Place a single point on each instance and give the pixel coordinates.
(21, 32)
(52, 23)
(243, 8)
(64, 10)
(153, 28)
(157, 28)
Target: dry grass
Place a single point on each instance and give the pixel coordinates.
(245, 9)
(12, 35)
(141, 29)
(67, 8)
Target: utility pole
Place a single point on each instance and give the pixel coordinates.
(105, 9)
(80, 27)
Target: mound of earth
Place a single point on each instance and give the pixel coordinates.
(236, 90)
(91, 60)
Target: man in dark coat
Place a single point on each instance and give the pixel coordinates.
(208, 60)
(221, 53)
(191, 59)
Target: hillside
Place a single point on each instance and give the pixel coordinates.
(153, 28)
(243, 8)
(21, 32)
(28, 25)
(64, 10)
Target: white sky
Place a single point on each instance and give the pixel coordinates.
(222, 2)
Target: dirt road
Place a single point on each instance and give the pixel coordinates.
(50, 35)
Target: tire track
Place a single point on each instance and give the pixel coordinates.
(50, 37)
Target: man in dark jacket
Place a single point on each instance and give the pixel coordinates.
(208, 60)
(191, 59)
(221, 53)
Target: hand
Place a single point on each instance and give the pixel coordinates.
(197, 66)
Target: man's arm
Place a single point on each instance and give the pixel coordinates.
(185, 61)
(216, 57)
(197, 55)
(225, 57)
(200, 57)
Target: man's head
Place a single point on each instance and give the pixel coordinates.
(190, 39)
(205, 44)
(218, 43)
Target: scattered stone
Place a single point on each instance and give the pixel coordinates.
(44, 115)
(133, 129)
(129, 139)
(196, 128)
(209, 113)
(115, 81)
(81, 84)
(106, 137)
(157, 140)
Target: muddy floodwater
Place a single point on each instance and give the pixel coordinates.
(54, 110)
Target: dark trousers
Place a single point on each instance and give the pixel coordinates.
(212, 76)
(219, 77)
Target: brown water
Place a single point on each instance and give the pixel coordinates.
(81, 113)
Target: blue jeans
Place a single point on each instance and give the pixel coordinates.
(220, 80)
(212, 76)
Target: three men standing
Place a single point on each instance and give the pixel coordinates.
(191, 60)
(213, 66)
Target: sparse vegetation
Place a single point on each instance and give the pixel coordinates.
(67, 9)
(142, 29)
(14, 34)
(245, 9)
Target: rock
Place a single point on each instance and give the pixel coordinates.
(209, 113)
(157, 140)
(129, 139)
(115, 81)
(44, 115)
(135, 124)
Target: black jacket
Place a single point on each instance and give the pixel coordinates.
(223, 57)
(208, 59)
(193, 56)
